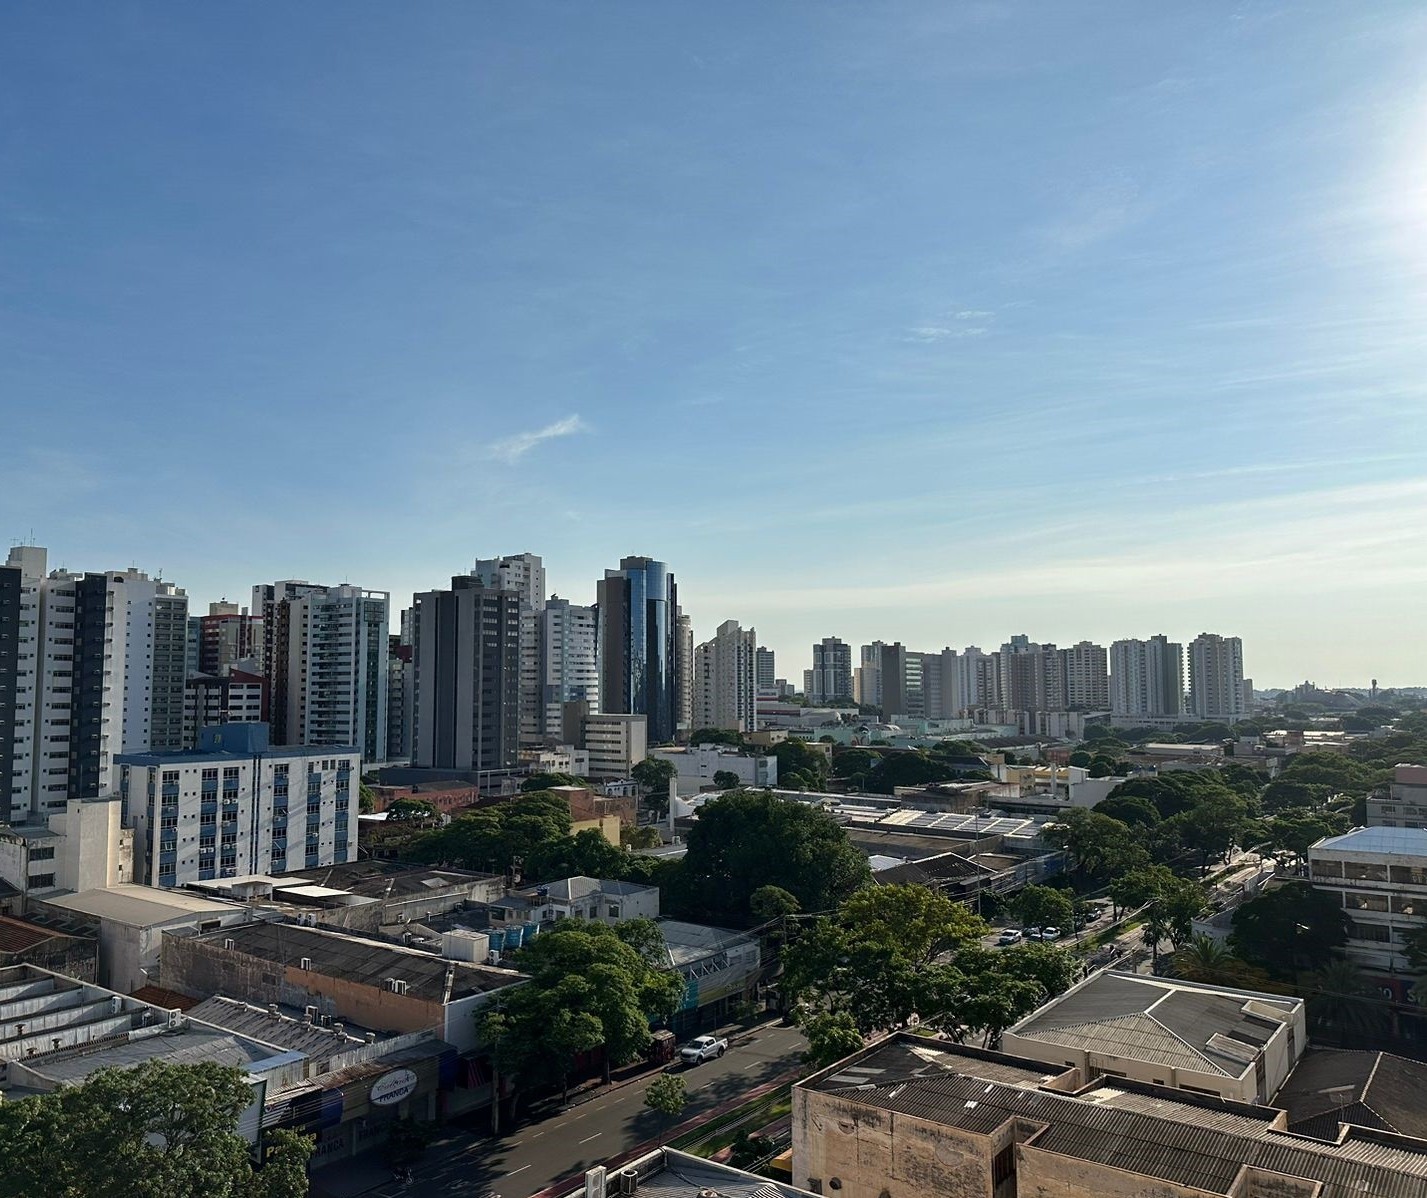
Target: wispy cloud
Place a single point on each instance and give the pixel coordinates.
(511, 449)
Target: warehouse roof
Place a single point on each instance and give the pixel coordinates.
(139, 905)
(1368, 1089)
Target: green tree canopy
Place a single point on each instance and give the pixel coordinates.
(546, 781)
(1044, 906)
(1128, 809)
(589, 986)
(1289, 929)
(769, 902)
(155, 1131)
(910, 768)
(666, 1095)
(410, 809)
(725, 779)
(831, 1036)
(795, 757)
(716, 736)
(853, 763)
(495, 838)
(585, 854)
(1099, 847)
(746, 839)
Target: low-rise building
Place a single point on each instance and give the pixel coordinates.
(615, 743)
(597, 899)
(385, 987)
(77, 846)
(697, 765)
(1233, 1044)
(130, 921)
(668, 1173)
(59, 950)
(720, 969)
(914, 1118)
(1379, 876)
(446, 797)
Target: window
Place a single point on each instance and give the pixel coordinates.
(38, 881)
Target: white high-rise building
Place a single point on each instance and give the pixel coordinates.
(325, 651)
(973, 680)
(867, 678)
(97, 669)
(568, 663)
(523, 573)
(1147, 677)
(1216, 677)
(237, 806)
(725, 680)
(1086, 675)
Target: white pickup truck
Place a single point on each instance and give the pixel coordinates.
(701, 1048)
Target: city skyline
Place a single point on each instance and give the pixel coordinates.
(1130, 310)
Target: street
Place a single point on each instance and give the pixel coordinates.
(535, 1154)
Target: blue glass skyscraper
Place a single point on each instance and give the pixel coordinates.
(640, 660)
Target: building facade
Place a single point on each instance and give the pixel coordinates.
(1216, 677)
(1085, 671)
(641, 651)
(466, 677)
(725, 680)
(1147, 677)
(236, 805)
(324, 656)
(93, 666)
(567, 663)
(831, 675)
(1379, 876)
(1405, 803)
(523, 573)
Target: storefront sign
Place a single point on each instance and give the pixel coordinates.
(391, 1088)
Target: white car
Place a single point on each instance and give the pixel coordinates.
(1050, 933)
(1009, 936)
(702, 1048)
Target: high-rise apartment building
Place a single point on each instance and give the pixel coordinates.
(643, 646)
(466, 656)
(1085, 674)
(725, 680)
(1029, 677)
(567, 662)
(234, 805)
(831, 675)
(226, 635)
(1216, 677)
(974, 683)
(901, 681)
(684, 674)
(324, 656)
(1147, 677)
(867, 678)
(523, 573)
(234, 696)
(95, 664)
(765, 670)
(399, 672)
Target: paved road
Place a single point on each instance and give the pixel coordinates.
(535, 1154)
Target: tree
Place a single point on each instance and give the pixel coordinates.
(546, 781)
(1080, 759)
(854, 763)
(1051, 967)
(1211, 962)
(1212, 827)
(645, 837)
(366, 799)
(586, 854)
(155, 1131)
(1128, 809)
(498, 837)
(1044, 906)
(746, 839)
(403, 810)
(589, 987)
(1297, 831)
(1099, 847)
(1342, 1004)
(796, 757)
(666, 1095)
(831, 1035)
(876, 959)
(769, 902)
(654, 775)
(1288, 929)
(725, 779)
(911, 768)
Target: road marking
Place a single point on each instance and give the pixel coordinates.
(537, 1134)
(513, 1172)
(587, 1139)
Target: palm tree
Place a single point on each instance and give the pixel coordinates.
(1204, 959)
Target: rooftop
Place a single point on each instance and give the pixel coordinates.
(1147, 1130)
(940, 868)
(667, 1173)
(363, 962)
(273, 1027)
(1207, 1029)
(141, 906)
(16, 936)
(1368, 1089)
(569, 889)
(1405, 842)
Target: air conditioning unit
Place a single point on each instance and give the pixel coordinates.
(628, 1182)
(494, 957)
(305, 963)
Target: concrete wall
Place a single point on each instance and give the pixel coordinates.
(872, 1153)
(1049, 1175)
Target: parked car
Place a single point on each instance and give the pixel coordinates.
(702, 1048)
(1033, 933)
(1009, 936)
(1050, 933)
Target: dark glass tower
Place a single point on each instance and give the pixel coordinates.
(640, 660)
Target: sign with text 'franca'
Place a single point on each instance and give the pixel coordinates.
(392, 1087)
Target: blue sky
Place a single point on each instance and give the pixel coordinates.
(922, 321)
